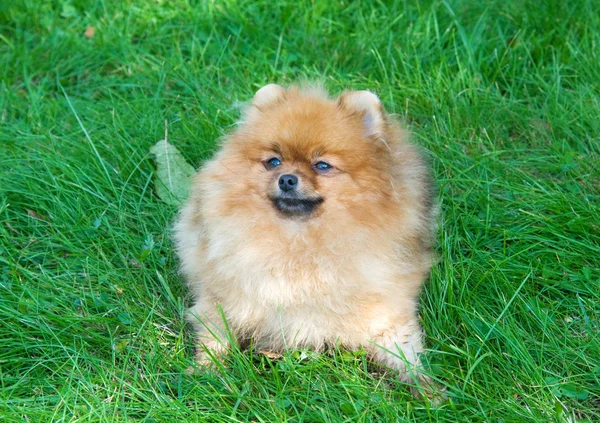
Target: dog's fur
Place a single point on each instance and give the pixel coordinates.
(347, 271)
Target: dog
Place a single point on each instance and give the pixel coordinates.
(313, 226)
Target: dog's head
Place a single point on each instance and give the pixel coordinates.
(298, 155)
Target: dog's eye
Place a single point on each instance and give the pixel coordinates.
(322, 167)
(272, 163)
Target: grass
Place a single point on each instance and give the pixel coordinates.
(505, 96)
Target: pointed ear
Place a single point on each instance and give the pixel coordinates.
(367, 104)
(268, 95)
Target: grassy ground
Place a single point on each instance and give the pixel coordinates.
(505, 96)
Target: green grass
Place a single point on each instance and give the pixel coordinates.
(504, 94)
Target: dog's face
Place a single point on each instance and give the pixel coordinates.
(300, 156)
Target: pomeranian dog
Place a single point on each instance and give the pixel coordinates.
(312, 227)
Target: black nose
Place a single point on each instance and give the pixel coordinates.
(288, 182)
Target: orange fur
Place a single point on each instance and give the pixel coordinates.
(350, 271)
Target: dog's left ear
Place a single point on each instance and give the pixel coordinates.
(368, 106)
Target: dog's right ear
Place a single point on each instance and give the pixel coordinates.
(267, 96)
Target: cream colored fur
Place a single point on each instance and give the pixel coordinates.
(331, 279)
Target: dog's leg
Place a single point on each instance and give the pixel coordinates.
(399, 347)
(212, 335)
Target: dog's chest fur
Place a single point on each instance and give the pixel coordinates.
(311, 292)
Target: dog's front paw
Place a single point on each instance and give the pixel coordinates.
(424, 386)
(273, 355)
(208, 358)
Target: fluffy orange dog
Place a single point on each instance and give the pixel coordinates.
(312, 226)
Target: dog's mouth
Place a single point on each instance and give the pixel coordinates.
(295, 206)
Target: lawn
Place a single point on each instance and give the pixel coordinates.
(505, 96)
